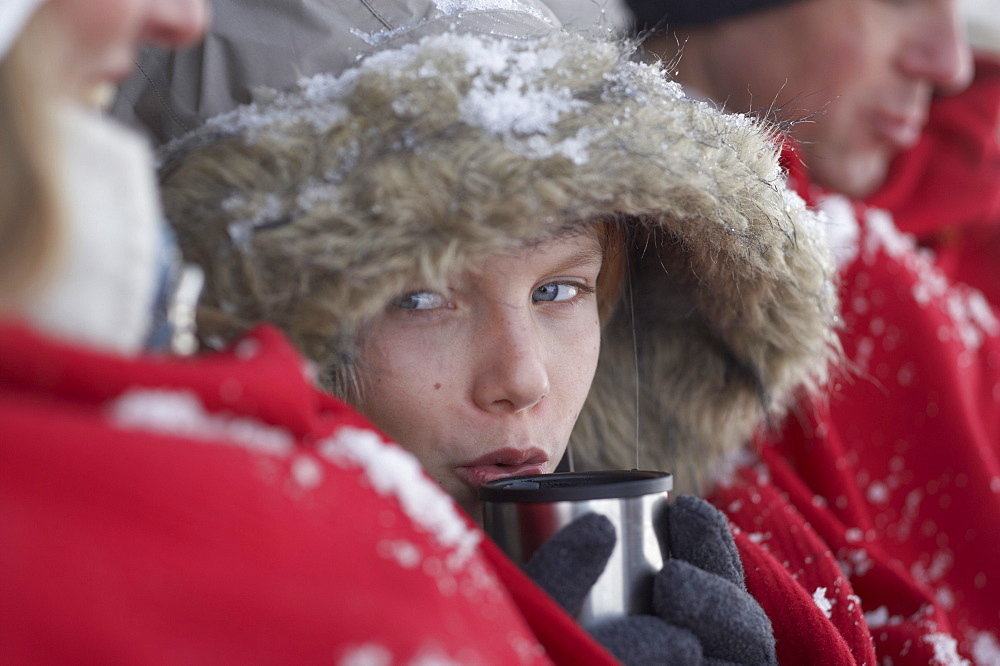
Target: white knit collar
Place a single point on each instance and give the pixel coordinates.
(103, 288)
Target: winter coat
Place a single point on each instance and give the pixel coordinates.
(460, 135)
(224, 511)
(894, 479)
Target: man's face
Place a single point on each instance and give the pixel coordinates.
(858, 74)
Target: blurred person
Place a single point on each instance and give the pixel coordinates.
(860, 74)
(895, 477)
(945, 191)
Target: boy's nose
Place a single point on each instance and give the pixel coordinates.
(511, 370)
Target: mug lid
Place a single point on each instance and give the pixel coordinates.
(575, 486)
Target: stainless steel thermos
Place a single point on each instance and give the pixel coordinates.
(520, 513)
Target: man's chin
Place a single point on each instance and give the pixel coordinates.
(856, 176)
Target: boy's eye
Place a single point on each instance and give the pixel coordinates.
(420, 300)
(555, 291)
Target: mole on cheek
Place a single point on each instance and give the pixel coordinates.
(437, 386)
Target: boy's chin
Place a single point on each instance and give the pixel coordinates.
(474, 508)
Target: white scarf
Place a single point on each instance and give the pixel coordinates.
(13, 15)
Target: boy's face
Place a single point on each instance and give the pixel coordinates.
(486, 378)
(860, 72)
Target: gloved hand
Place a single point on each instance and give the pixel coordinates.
(702, 611)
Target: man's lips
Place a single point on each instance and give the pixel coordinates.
(901, 131)
(503, 463)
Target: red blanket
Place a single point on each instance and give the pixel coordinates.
(222, 511)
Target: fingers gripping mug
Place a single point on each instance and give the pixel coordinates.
(521, 513)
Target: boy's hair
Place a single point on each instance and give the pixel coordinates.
(613, 237)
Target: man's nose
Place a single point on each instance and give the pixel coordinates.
(511, 372)
(939, 50)
(174, 23)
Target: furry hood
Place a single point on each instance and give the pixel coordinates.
(312, 208)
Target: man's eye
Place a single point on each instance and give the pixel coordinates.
(420, 300)
(555, 291)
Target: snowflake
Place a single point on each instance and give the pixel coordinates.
(824, 604)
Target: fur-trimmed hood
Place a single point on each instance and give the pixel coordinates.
(312, 208)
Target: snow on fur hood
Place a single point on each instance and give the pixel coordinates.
(314, 206)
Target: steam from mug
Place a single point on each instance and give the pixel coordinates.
(521, 513)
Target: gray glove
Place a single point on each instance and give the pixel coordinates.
(702, 611)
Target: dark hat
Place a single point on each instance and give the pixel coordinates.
(658, 15)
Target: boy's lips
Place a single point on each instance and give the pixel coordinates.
(503, 463)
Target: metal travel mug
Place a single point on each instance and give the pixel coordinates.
(521, 513)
